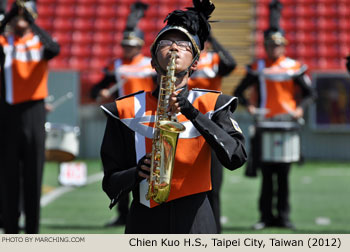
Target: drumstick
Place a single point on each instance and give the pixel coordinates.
(113, 88)
(61, 100)
(290, 111)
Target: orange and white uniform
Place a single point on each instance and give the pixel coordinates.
(25, 70)
(277, 83)
(133, 75)
(192, 160)
(206, 76)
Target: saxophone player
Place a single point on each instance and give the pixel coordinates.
(207, 117)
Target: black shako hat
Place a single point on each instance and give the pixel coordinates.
(275, 34)
(193, 22)
(132, 35)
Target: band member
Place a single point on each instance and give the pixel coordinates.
(129, 74)
(24, 56)
(276, 81)
(207, 116)
(133, 72)
(215, 62)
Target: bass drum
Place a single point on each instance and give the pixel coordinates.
(280, 142)
(61, 144)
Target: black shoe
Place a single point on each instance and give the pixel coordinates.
(285, 224)
(120, 221)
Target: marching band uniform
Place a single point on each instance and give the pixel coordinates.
(209, 123)
(136, 74)
(120, 155)
(213, 65)
(24, 73)
(276, 82)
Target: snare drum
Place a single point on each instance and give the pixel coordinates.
(280, 141)
(61, 144)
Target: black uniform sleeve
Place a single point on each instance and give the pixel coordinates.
(118, 160)
(51, 47)
(104, 83)
(227, 63)
(221, 134)
(245, 83)
(308, 93)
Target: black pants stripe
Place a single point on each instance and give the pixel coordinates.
(22, 137)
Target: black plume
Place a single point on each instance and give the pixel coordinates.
(275, 14)
(195, 19)
(137, 12)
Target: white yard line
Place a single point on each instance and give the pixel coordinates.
(53, 195)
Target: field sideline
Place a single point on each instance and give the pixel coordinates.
(319, 200)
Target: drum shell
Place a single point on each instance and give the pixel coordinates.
(61, 144)
(279, 142)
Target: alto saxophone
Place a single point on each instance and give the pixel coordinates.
(166, 133)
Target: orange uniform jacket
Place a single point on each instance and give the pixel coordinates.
(277, 88)
(192, 160)
(25, 70)
(206, 76)
(134, 75)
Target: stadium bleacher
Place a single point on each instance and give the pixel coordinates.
(89, 31)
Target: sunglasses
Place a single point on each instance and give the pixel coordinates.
(181, 44)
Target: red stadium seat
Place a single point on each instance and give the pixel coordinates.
(119, 24)
(82, 37)
(118, 36)
(306, 10)
(106, 11)
(262, 10)
(83, 24)
(117, 51)
(122, 11)
(64, 10)
(67, 1)
(59, 63)
(104, 24)
(46, 1)
(65, 50)
(87, 11)
(289, 11)
(329, 24)
(288, 24)
(328, 51)
(97, 63)
(328, 37)
(78, 63)
(63, 24)
(343, 9)
(147, 25)
(102, 50)
(89, 2)
(46, 10)
(45, 23)
(344, 24)
(306, 24)
(103, 37)
(306, 37)
(78, 50)
(307, 51)
(62, 37)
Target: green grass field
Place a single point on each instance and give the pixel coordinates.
(320, 202)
